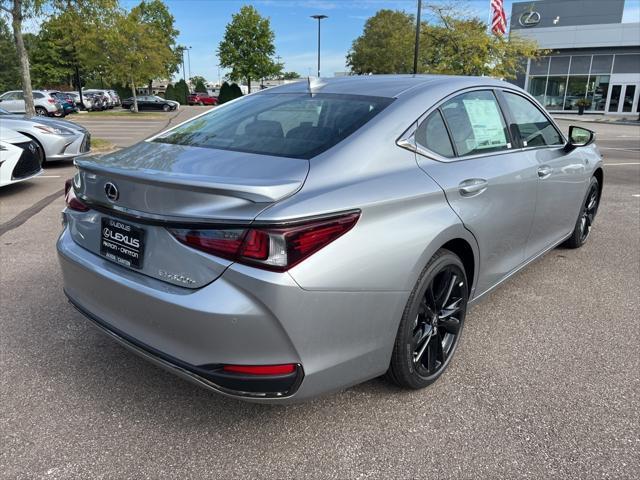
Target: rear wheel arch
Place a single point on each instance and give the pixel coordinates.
(459, 241)
(599, 174)
(462, 248)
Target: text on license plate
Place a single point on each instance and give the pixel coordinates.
(122, 243)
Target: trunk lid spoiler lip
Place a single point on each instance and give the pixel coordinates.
(251, 189)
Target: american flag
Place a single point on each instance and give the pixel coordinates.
(498, 17)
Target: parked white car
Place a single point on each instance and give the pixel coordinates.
(87, 100)
(19, 157)
(104, 94)
(45, 103)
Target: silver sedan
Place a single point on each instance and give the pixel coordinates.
(312, 236)
(57, 139)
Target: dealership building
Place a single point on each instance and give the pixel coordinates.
(590, 54)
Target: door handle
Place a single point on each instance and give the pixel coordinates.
(545, 172)
(472, 186)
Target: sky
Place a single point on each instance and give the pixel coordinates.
(202, 23)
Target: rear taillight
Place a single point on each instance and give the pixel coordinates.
(51, 100)
(261, 369)
(73, 202)
(276, 248)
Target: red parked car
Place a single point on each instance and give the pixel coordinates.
(201, 99)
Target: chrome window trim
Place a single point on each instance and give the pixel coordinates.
(407, 139)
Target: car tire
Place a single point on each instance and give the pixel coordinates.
(41, 112)
(431, 323)
(166, 108)
(132, 108)
(588, 211)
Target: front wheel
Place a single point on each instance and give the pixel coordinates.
(431, 324)
(41, 112)
(166, 108)
(587, 215)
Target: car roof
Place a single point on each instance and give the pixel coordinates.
(391, 86)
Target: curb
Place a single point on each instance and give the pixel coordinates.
(577, 118)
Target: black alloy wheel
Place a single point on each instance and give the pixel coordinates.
(432, 323)
(586, 217)
(589, 211)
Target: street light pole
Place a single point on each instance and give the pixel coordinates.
(184, 73)
(319, 18)
(417, 44)
(189, 61)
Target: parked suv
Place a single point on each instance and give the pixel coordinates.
(46, 104)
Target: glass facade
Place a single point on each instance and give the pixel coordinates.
(559, 81)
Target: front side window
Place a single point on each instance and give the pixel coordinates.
(534, 129)
(281, 124)
(432, 135)
(476, 124)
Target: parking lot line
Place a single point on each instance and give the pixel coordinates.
(621, 163)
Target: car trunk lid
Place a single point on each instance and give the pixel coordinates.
(189, 184)
(160, 186)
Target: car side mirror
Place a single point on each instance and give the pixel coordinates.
(579, 137)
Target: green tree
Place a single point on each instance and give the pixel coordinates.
(181, 92)
(247, 47)
(451, 42)
(18, 10)
(290, 75)
(386, 44)
(137, 51)
(70, 42)
(459, 45)
(9, 72)
(200, 83)
(156, 14)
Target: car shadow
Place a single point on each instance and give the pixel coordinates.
(102, 372)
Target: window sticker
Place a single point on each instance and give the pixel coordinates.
(486, 122)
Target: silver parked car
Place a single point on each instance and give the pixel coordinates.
(45, 103)
(56, 139)
(312, 236)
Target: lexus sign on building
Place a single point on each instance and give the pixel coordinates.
(593, 54)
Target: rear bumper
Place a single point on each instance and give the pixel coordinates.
(245, 317)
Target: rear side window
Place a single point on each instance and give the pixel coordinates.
(534, 129)
(281, 124)
(476, 123)
(432, 135)
(37, 95)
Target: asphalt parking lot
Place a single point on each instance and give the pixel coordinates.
(545, 384)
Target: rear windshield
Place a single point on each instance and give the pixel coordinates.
(280, 124)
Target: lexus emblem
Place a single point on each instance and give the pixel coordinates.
(529, 19)
(111, 191)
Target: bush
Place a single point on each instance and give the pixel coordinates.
(225, 93)
(235, 91)
(170, 93)
(181, 92)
